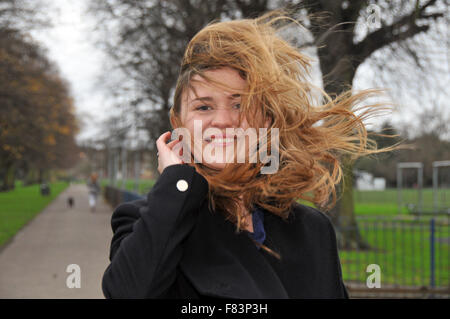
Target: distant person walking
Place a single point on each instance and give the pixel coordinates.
(94, 190)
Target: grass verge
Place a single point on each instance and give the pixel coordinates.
(19, 206)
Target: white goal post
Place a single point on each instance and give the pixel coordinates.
(436, 166)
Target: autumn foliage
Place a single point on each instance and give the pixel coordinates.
(37, 122)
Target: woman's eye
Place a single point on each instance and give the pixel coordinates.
(203, 108)
(237, 106)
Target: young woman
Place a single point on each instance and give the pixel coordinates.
(214, 226)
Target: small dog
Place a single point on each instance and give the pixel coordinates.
(70, 201)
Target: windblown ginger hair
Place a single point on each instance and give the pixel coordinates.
(312, 137)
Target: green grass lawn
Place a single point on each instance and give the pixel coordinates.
(386, 202)
(20, 205)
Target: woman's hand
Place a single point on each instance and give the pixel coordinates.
(166, 155)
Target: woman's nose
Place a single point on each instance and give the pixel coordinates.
(224, 118)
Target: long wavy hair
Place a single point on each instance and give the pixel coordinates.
(312, 135)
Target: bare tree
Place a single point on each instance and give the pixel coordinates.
(23, 15)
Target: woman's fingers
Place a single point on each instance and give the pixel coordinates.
(161, 141)
(162, 144)
(167, 156)
(172, 143)
(177, 147)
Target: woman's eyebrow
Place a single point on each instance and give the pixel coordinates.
(209, 98)
(203, 98)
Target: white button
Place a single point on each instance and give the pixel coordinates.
(182, 185)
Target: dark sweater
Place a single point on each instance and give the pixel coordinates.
(172, 246)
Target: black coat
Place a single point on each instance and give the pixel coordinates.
(172, 246)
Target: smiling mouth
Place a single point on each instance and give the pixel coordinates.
(220, 141)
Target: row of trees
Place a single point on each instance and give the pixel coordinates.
(37, 122)
(146, 40)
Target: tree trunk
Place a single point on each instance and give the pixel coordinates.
(343, 214)
(9, 177)
(338, 69)
(31, 176)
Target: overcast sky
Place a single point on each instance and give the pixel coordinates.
(71, 46)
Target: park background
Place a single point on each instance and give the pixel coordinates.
(86, 88)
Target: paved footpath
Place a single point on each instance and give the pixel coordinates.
(34, 263)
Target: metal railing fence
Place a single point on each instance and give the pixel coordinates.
(412, 255)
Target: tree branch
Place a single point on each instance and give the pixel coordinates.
(403, 29)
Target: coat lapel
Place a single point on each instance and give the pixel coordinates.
(222, 263)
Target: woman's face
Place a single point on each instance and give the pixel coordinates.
(216, 109)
